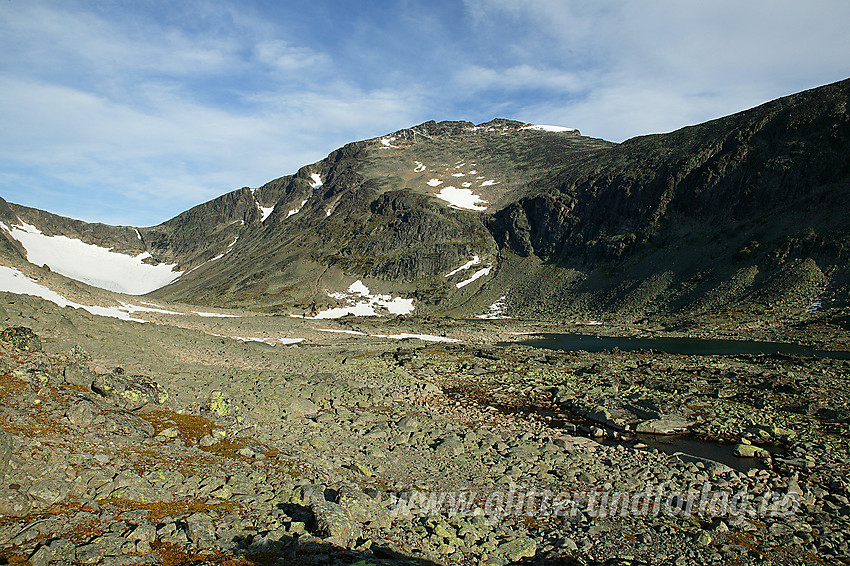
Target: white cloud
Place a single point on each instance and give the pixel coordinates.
(282, 56)
(127, 114)
(150, 122)
(525, 76)
(644, 67)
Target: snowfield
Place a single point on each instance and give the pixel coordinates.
(14, 281)
(461, 198)
(95, 265)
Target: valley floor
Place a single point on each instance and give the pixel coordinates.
(178, 443)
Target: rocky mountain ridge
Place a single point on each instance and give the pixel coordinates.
(746, 213)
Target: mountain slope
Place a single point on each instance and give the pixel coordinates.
(746, 214)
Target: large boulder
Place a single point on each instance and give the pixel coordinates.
(129, 392)
(334, 521)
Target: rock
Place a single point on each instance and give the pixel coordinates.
(360, 506)
(409, 424)
(41, 557)
(78, 376)
(99, 548)
(6, 444)
(301, 407)
(49, 491)
(750, 451)
(21, 339)
(82, 413)
(128, 392)
(333, 520)
(200, 528)
(517, 549)
(13, 503)
(703, 539)
(666, 425)
(450, 446)
(127, 424)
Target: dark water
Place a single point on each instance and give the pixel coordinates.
(722, 453)
(687, 346)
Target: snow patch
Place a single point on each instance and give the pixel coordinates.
(426, 337)
(474, 261)
(14, 281)
(386, 142)
(317, 180)
(458, 175)
(127, 307)
(461, 198)
(95, 265)
(139, 236)
(402, 336)
(419, 167)
(328, 212)
(265, 211)
(476, 275)
(362, 303)
(215, 314)
(258, 339)
(467, 184)
(489, 183)
(339, 331)
(496, 311)
(434, 183)
(297, 210)
(546, 128)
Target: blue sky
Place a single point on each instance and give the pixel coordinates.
(129, 112)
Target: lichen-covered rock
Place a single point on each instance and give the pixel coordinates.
(334, 521)
(78, 376)
(49, 491)
(21, 339)
(130, 392)
(200, 528)
(13, 503)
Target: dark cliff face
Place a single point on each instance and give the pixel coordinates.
(781, 158)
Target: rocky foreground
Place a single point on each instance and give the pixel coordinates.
(387, 452)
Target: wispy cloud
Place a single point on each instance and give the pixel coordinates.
(132, 112)
(643, 67)
(149, 127)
